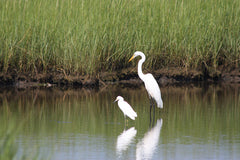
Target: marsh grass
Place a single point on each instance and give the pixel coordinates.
(89, 36)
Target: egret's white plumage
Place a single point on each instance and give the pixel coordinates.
(126, 108)
(151, 84)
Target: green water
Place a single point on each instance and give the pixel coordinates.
(197, 122)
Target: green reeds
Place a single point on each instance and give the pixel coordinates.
(89, 36)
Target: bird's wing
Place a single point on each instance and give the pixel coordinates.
(127, 109)
(153, 89)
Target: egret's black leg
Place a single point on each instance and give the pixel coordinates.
(150, 100)
(154, 106)
(124, 121)
(151, 106)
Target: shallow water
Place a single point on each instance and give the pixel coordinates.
(197, 122)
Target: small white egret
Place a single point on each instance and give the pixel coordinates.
(126, 108)
(151, 84)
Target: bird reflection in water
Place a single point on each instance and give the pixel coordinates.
(125, 139)
(147, 145)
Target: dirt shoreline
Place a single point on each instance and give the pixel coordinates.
(127, 77)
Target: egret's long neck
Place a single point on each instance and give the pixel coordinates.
(140, 62)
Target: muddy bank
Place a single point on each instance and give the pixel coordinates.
(126, 77)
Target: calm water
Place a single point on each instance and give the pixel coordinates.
(197, 122)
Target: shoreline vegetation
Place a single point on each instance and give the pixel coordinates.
(88, 43)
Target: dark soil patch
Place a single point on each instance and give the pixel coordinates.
(126, 77)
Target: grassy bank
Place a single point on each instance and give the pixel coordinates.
(89, 36)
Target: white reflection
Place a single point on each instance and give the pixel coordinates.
(147, 146)
(124, 139)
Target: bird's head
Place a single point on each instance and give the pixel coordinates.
(137, 53)
(118, 98)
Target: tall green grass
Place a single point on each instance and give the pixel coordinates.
(89, 36)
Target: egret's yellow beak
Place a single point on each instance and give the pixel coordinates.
(131, 58)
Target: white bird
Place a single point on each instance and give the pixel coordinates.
(151, 84)
(126, 108)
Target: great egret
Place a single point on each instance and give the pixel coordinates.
(126, 108)
(151, 84)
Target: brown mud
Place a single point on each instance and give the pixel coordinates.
(128, 77)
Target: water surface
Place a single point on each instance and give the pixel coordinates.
(197, 122)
